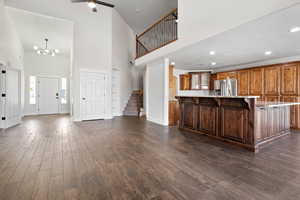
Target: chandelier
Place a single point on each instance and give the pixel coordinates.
(45, 51)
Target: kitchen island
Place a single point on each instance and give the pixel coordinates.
(240, 120)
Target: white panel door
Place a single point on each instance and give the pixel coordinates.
(13, 98)
(92, 92)
(48, 95)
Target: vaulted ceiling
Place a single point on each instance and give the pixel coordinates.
(139, 14)
(33, 29)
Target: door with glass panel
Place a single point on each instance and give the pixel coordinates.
(48, 95)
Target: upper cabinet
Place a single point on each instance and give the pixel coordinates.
(289, 84)
(184, 82)
(222, 75)
(200, 80)
(272, 80)
(256, 81)
(243, 82)
(225, 75)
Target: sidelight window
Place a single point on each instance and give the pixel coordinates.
(63, 91)
(32, 90)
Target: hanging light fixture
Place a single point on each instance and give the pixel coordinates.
(45, 51)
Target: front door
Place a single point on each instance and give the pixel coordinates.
(48, 95)
(92, 94)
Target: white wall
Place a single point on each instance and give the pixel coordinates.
(45, 66)
(157, 92)
(123, 51)
(11, 50)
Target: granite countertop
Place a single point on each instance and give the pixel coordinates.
(268, 104)
(217, 96)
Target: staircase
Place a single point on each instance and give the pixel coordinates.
(134, 105)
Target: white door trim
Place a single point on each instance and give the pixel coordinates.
(100, 72)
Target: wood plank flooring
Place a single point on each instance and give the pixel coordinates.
(50, 157)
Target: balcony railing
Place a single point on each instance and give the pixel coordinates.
(158, 35)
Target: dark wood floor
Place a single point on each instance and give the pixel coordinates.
(49, 157)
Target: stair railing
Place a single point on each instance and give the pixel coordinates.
(158, 35)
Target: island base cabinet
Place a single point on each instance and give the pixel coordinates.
(207, 121)
(271, 122)
(234, 123)
(240, 121)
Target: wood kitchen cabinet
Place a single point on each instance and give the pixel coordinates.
(289, 80)
(272, 81)
(272, 98)
(240, 118)
(224, 75)
(173, 113)
(184, 82)
(199, 80)
(243, 82)
(256, 81)
(295, 110)
(213, 77)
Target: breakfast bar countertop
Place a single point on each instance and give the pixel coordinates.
(269, 104)
(219, 96)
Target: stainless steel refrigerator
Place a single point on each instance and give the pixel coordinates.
(227, 87)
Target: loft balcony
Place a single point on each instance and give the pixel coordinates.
(160, 34)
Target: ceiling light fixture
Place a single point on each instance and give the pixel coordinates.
(267, 53)
(295, 29)
(173, 63)
(92, 4)
(46, 51)
(212, 53)
(213, 63)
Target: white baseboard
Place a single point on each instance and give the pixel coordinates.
(157, 121)
(118, 114)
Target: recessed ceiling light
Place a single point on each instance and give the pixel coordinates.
(92, 4)
(56, 50)
(212, 53)
(268, 53)
(213, 63)
(173, 63)
(35, 47)
(295, 29)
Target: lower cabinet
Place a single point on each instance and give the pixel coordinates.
(173, 113)
(234, 123)
(208, 119)
(188, 116)
(271, 121)
(295, 112)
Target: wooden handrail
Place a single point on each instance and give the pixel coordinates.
(161, 19)
(161, 33)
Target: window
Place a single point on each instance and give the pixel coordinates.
(63, 91)
(32, 90)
